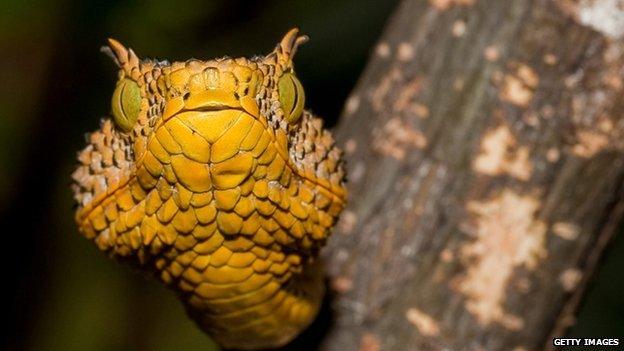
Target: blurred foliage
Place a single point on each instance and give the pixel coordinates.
(19, 22)
(56, 85)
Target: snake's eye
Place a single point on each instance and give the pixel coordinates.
(126, 104)
(291, 96)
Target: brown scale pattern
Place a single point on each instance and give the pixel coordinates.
(227, 205)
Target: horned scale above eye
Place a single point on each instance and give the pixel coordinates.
(221, 204)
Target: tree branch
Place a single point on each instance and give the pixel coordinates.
(484, 142)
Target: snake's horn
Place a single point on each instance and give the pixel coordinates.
(287, 47)
(124, 57)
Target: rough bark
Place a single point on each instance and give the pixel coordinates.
(486, 167)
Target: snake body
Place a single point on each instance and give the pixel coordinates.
(215, 180)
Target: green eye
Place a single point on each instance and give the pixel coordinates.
(126, 104)
(291, 96)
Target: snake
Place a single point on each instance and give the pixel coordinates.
(213, 177)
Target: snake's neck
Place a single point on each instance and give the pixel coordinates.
(263, 312)
(234, 233)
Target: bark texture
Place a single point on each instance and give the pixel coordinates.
(484, 143)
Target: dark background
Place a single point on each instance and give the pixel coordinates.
(55, 85)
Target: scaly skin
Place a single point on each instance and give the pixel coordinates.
(216, 193)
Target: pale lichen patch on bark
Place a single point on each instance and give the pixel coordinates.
(443, 5)
(342, 255)
(378, 97)
(352, 105)
(570, 278)
(550, 59)
(459, 83)
(347, 222)
(531, 119)
(424, 323)
(519, 85)
(613, 80)
(350, 146)
(370, 342)
(547, 111)
(396, 138)
(383, 50)
(597, 127)
(446, 255)
(566, 230)
(508, 236)
(341, 284)
(420, 110)
(589, 143)
(358, 171)
(553, 154)
(491, 53)
(612, 57)
(405, 52)
(500, 155)
(604, 16)
(459, 28)
(405, 97)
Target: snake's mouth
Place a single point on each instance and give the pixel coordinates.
(209, 100)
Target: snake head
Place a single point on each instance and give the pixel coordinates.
(220, 114)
